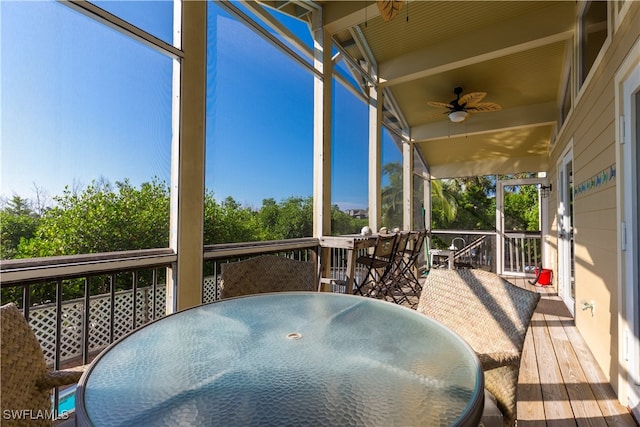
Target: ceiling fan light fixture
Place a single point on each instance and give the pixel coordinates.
(458, 116)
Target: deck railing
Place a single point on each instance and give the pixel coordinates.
(303, 249)
(472, 249)
(522, 251)
(78, 305)
(99, 298)
(122, 291)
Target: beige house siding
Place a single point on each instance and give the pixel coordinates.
(591, 128)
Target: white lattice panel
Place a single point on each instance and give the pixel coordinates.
(43, 321)
(211, 289)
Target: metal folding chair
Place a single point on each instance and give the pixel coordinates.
(405, 282)
(377, 265)
(394, 280)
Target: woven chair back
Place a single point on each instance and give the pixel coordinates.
(266, 273)
(492, 315)
(23, 366)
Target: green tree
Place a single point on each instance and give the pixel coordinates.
(392, 195)
(521, 208)
(229, 222)
(101, 219)
(476, 209)
(444, 205)
(18, 222)
(343, 223)
(295, 218)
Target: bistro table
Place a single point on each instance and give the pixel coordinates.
(294, 358)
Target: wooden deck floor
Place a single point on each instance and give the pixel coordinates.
(560, 383)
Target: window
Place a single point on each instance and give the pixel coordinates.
(86, 132)
(350, 150)
(565, 107)
(259, 137)
(152, 16)
(392, 180)
(593, 33)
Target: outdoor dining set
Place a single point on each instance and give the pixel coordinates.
(405, 346)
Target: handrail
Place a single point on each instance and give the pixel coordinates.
(522, 234)
(31, 270)
(229, 250)
(466, 232)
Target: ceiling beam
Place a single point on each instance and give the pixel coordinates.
(342, 15)
(507, 119)
(524, 33)
(492, 166)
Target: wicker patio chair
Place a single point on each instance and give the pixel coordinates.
(492, 315)
(26, 381)
(266, 273)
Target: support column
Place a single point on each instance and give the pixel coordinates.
(428, 213)
(407, 183)
(184, 281)
(322, 99)
(375, 157)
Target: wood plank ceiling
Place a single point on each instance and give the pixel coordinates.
(518, 52)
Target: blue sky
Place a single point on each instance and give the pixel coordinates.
(80, 102)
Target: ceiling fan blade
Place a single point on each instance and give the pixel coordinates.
(389, 8)
(446, 113)
(485, 107)
(439, 105)
(471, 98)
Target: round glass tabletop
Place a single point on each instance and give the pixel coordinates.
(286, 359)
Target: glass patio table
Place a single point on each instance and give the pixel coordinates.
(295, 358)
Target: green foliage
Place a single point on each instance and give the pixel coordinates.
(17, 222)
(476, 207)
(342, 223)
(228, 221)
(444, 205)
(101, 219)
(107, 218)
(521, 208)
(392, 196)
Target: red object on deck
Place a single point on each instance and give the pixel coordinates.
(544, 276)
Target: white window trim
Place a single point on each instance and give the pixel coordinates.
(629, 65)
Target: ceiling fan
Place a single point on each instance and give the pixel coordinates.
(389, 8)
(458, 110)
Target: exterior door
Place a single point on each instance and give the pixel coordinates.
(630, 234)
(566, 277)
(519, 246)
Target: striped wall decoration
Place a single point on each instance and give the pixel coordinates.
(599, 179)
